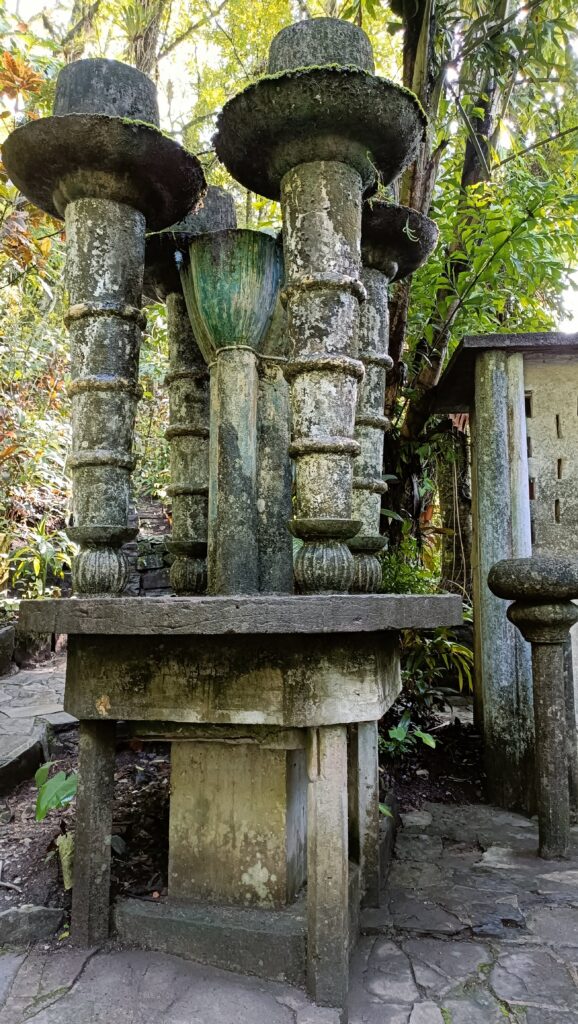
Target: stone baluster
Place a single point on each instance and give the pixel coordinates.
(103, 165)
(188, 384)
(395, 241)
(542, 588)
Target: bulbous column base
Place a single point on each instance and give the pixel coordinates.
(188, 575)
(100, 571)
(324, 566)
(366, 573)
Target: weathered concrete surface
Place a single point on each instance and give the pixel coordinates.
(542, 588)
(319, 613)
(237, 823)
(364, 814)
(321, 245)
(144, 988)
(299, 682)
(91, 889)
(501, 530)
(327, 866)
(104, 270)
(320, 41)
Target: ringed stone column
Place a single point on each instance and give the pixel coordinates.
(503, 679)
(313, 139)
(543, 588)
(188, 384)
(311, 134)
(231, 284)
(395, 241)
(102, 163)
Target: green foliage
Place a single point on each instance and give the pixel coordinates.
(45, 556)
(55, 792)
(431, 656)
(403, 571)
(403, 738)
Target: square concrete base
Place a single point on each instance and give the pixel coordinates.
(267, 943)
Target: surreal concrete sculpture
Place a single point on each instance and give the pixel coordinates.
(270, 700)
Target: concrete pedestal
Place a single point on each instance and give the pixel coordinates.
(237, 823)
(256, 695)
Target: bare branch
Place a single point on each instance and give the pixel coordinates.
(165, 50)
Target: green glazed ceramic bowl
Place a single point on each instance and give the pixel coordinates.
(231, 283)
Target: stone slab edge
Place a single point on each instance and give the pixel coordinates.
(251, 941)
(23, 762)
(209, 616)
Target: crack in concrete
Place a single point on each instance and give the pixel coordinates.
(65, 990)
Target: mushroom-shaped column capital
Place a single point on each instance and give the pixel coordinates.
(542, 588)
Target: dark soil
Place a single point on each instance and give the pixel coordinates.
(452, 773)
(140, 830)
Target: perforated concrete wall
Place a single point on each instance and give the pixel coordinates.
(551, 386)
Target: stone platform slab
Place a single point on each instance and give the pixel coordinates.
(214, 616)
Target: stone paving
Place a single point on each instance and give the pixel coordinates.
(30, 704)
(474, 929)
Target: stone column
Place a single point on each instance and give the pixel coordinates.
(233, 552)
(188, 384)
(321, 203)
(91, 890)
(370, 426)
(274, 477)
(105, 259)
(542, 589)
(502, 656)
(103, 165)
(188, 436)
(327, 867)
(395, 241)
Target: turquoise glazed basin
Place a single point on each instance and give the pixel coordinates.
(230, 284)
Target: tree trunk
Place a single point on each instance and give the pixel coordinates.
(454, 491)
